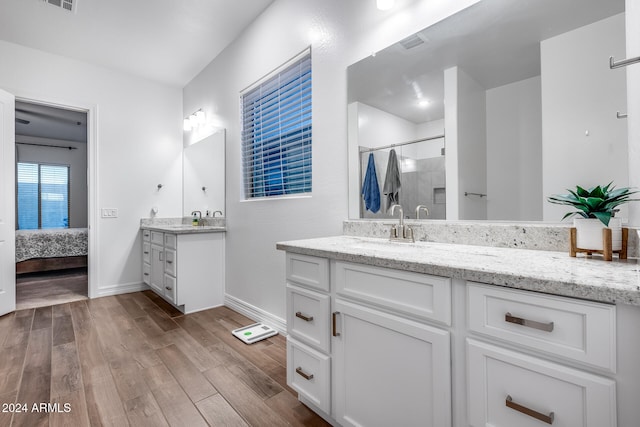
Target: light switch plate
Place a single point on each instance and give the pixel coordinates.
(109, 213)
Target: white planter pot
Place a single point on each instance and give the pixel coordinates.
(589, 233)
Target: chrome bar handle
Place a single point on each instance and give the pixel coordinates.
(527, 411)
(623, 62)
(334, 330)
(547, 327)
(620, 115)
(303, 317)
(303, 374)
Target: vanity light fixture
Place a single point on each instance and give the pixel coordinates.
(385, 4)
(194, 120)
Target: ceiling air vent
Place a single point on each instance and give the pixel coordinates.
(411, 41)
(68, 5)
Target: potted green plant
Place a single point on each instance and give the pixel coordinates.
(596, 207)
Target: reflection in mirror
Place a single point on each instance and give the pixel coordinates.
(522, 92)
(204, 175)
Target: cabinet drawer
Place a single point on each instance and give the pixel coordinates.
(509, 389)
(170, 262)
(146, 252)
(415, 294)
(308, 316)
(157, 238)
(146, 235)
(146, 273)
(170, 288)
(578, 330)
(308, 270)
(171, 241)
(308, 373)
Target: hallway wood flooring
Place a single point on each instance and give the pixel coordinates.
(50, 288)
(134, 360)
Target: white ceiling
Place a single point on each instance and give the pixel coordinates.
(168, 41)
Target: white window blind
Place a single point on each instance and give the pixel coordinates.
(276, 132)
(42, 196)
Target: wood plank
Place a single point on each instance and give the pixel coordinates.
(174, 402)
(36, 378)
(255, 379)
(144, 411)
(201, 358)
(20, 329)
(103, 403)
(170, 310)
(190, 378)
(243, 399)
(218, 412)
(297, 414)
(196, 330)
(71, 412)
(66, 377)
(61, 310)
(63, 330)
(42, 318)
(132, 308)
(5, 416)
(6, 323)
(161, 318)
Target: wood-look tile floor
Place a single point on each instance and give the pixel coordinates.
(134, 360)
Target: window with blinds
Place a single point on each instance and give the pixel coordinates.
(276, 132)
(42, 196)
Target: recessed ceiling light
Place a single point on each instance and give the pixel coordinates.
(424, 103)
(385, 4)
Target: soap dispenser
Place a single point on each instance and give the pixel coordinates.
(194, 220)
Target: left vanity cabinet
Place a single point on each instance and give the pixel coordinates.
(187, 269)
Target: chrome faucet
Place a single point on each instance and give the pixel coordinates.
(419, 208)
(400, 232)
(215, 212)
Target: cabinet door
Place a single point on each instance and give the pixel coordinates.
(157, 269)
(389, 371)
(170, 288)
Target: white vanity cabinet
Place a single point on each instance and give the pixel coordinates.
(185, 269)
(361, 346)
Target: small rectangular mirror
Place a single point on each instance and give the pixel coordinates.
(203, 171)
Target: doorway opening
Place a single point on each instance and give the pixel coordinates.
(51, 198)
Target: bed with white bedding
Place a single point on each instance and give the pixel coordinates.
(51, 249)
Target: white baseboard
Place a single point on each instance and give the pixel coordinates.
(255, 313)
(120, 289)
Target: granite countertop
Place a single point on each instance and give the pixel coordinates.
(183, 228)
(557, 273)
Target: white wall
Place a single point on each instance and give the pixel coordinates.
(514, 150)
(466, 145)
(340, 33)
(76, 159)
(633, 103)
(581, 95)
(137, 143)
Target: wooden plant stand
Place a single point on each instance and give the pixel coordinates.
(607, 252)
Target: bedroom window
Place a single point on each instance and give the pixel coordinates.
(42, 196)
(276, 132)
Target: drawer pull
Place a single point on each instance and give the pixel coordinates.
(169, 261)
(334, 330)
(530, 412)
(303, 374)
(146, 274)
(146, 252)
(168, 288)
(547, 327)
(303, 317)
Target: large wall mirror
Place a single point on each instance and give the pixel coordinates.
(204, 175)
(491, 110)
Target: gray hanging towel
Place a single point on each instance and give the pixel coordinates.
(391, 186)
(370, 189)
